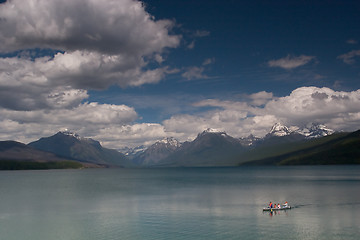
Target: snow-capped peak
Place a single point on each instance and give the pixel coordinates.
(279, 130)
(212, 130)
(71, 134)
(315, 130)
(310, 131)
(170, 141)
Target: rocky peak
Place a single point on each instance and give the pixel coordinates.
(310, 131)
(279, 130)
(70, 134)
(212, 131)
(314, 130)
(169, 141)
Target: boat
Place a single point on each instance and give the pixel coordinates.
(277, 209)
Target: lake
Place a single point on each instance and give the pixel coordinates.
(181, 203)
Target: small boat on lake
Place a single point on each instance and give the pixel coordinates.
(277, 209)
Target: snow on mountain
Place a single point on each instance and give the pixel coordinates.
(211, 130)
(214, 131)
(315, 131)
(210, 136)
(83, 139)
(164, 150)
(310, 131)
(279, 130)
(71, 134)
(210, 148)
(156, 152)
(170, 141)
(127, 151)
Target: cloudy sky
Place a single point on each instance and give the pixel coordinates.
(128, 72)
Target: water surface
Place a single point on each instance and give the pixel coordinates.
(184, 203)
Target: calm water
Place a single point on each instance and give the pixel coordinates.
(211, 203)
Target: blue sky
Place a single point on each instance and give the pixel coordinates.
(129, 73)
(239, 38)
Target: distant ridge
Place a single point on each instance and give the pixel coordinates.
(210, 148)
(12, 150)
(214, 147)
(310, 131)
(157, 152)
(17, 156)
(283, 145)
(70, 145)
(341, 148)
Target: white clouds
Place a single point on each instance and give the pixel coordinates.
(82, 115)
(312, 104)
(194, 73)
(111, 27)
(150, 76)
(238, 106)
(79, 69)
(318, 104)
(233, 117)
(338, 110)
(65, 98)
(260, 98)
(114, 125)
(291, 62)
(187, 125)
(92, 45)
(100, 44)
(96, 44)
(28, 85)
(130, 135)
(197, 34)
(86, 119)
(349, 57)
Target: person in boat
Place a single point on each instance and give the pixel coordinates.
(286, 204)
(279, 206)
(270, 205)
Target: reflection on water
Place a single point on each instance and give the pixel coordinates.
(210, 203)
(277, 213)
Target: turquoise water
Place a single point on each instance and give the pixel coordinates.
(195, 203)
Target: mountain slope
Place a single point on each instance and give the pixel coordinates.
(157, 152)
(71, 146)
(15, 155)
(341, 148)
(208, 149)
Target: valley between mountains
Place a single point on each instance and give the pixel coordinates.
(313, 145)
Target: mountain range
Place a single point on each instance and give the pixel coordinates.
(209, 148)
(339, 148)
(216, 148)
(313, 144)
(86, 150)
